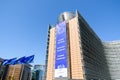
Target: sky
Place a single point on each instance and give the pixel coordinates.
(24, 23)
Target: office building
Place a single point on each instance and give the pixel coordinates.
(16, 72)
(41, 67)
(36, 75)
(112, 53)
(74, 51)
(1, 61)
(38, 72)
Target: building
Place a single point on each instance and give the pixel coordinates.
(17, 72)
(41, 67)
(74, 51)
(37, 75)
(38, 72)
(112, 53)
(1, 61)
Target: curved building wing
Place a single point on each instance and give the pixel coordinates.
(112, 53)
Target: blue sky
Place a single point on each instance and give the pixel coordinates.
(24, 23)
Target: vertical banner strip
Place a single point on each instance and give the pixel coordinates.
(61, 51)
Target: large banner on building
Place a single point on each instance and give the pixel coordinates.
(61, 51)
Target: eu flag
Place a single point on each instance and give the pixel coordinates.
(5, 62)
(29, 59)
(9, 61)
(20, 60)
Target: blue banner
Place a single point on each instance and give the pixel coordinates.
(61, 51)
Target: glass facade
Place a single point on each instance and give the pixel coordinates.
(112, 53)
(94, 60)
(38, 73)
(35, 75)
